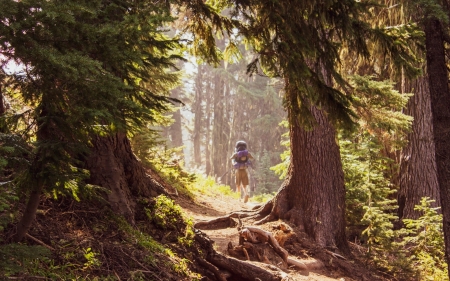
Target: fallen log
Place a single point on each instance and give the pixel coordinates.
(217, 223)
(248, 269)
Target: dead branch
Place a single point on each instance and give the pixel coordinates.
(336, 255)
(39, 242)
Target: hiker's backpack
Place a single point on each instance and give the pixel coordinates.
(241, 160)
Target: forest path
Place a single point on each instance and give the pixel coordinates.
(206, 208)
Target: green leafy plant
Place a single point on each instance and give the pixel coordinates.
(18, 258)
(165, 213)
(424, 240)
(91, 259)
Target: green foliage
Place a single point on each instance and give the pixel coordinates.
(87, 68)
(209, 186)
(379, 107)
(91, 259)
(8, 197)
(167, 215)
(267, 182)
(368, 167)
(288, 44)
(155, 154)
(263, 197)
(18, 258)
(367, 180)
(281, 169)
(140, 238)
(423, 243)
(414, 251)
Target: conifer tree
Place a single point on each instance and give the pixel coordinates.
(84, 66)
(304, 50)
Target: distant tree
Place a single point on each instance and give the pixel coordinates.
(197, 110)
(175, 130)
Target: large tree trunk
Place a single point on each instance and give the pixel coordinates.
(113, 166)
(418, 174)
(440, 108)
(313, 194)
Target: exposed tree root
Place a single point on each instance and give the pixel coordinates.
(217, 223)
(264, 257)
(227, 221)
(257, 235)
(219, 275)
(246, 269)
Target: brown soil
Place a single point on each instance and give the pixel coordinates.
(70, 228)
(335, 267)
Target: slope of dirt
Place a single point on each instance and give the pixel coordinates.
(88, 242)
(300, 248)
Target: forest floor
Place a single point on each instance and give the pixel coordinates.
(88, 242)
(300, 248)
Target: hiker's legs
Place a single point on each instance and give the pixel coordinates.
(245, 188)
(238, 181)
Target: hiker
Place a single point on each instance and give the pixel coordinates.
(241, 161)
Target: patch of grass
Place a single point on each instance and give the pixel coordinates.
(262, 198)
(208, 186)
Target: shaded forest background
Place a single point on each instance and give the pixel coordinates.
(224, 105)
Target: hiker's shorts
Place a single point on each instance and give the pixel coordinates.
(241, 177)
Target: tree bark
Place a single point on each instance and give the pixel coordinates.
(440, 105)
(219, 144)
(113, 166)
(208, 166)
(29, 214)
(198, 116)
(313, 194)
(418, 172)
(175, 130)
(36, 177)
(2, 102)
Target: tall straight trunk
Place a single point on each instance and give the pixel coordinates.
(440, 105)
(313, 194)
(418, 172)
(175, 130)
(198, 116)
(219, 146)
(208, 166)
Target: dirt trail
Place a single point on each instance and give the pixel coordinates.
(210, 207)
